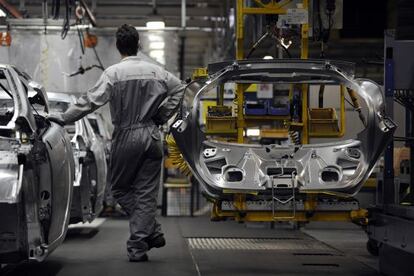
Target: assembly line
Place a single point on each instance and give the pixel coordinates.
(210, 137)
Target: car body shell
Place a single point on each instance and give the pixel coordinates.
(101, 129)
(90, 163)
(36, 173)
(338, 168)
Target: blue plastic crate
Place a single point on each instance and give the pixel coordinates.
(255, 108)
(277, 110)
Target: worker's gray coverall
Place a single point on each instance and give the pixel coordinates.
(141, 96)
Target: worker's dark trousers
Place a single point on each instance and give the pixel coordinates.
(136, 157)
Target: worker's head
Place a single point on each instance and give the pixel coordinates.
(127, 40)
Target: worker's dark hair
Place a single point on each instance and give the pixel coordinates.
(127, 40)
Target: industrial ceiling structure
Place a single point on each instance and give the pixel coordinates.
(206, 29)
(202, 24)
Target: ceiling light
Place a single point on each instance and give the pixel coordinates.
(267, 57)
(155, 25)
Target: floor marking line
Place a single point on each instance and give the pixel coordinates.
(194, 262)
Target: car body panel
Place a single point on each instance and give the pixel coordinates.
(37, 172)
(339, 168)
(90, 163)
(57, 145)
(98, 146)
(97, 122)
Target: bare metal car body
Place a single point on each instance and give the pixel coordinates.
(101, 129)
(338, 167)
(90, 163)
(36, 172)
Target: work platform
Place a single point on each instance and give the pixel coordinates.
(196, 246)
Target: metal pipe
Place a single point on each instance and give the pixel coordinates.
(56, 25)
(182, 45)
(182, 57)
(220, 95)
(321, 92)
(256, 44)
(45, 13)
(183, 14)
(154, 6)
(11, 9)
(93, 8)
(22, 6)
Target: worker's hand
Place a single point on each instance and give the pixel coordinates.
(56, 118)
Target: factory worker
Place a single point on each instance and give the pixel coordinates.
(141, 97)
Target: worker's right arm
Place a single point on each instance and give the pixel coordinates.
(96, 97)
(175, 93)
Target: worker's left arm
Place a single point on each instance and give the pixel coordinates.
(175, 93)
(96, 97)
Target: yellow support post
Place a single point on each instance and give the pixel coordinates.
(240, 56)
(240, 115)
(304, 54)
(239, 30)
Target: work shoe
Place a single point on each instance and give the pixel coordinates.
(156, 242)
(143, 258)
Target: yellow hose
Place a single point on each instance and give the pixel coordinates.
(176, 157)
(353, 95)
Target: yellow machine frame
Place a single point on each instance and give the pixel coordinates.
(272, 7)
(239, 201)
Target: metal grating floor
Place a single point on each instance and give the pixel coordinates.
(255, 244)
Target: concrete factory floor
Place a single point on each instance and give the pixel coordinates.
(196, 246)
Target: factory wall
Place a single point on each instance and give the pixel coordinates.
(48, 58)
